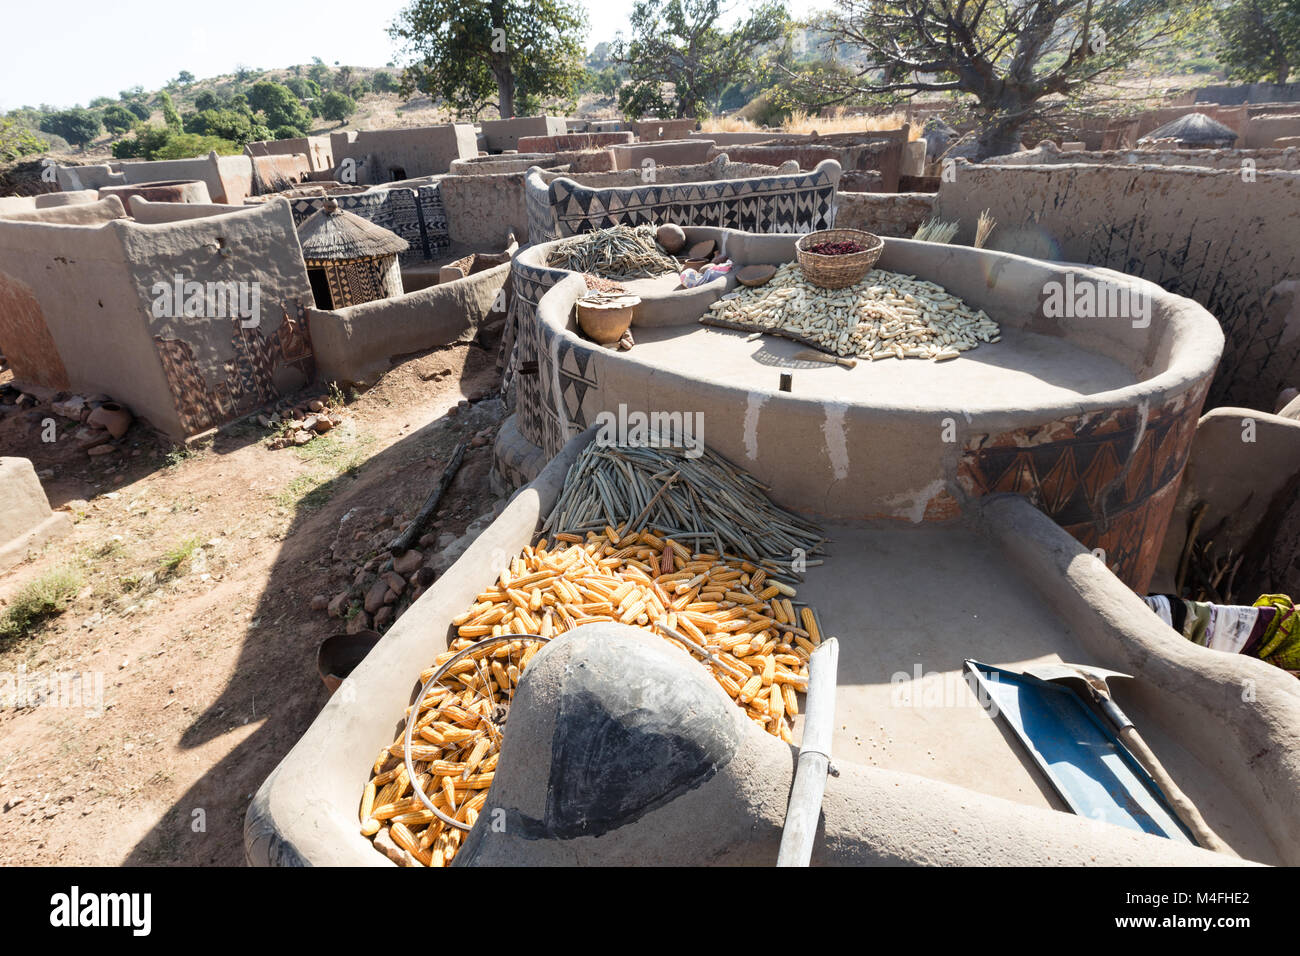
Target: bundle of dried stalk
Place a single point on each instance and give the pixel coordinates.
(620, 252)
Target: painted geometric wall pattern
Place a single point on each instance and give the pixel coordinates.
(1106, 477)
(524, 387)
(247, 381)
(799, 203)
(415, 214)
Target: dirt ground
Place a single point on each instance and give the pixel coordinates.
(198, 569)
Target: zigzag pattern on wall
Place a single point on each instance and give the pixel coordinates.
(800, 203)
(416, 215)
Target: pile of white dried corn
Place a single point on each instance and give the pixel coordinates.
(885, 315)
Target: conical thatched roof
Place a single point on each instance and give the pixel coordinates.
(332, 233)
(1192, 128)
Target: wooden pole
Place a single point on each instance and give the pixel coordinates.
(805, 806)
(406, 540)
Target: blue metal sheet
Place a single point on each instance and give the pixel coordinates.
(1086, 763)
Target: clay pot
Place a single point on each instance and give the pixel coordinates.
(672, 237)
(604, 320)
(112, 417)
(339, 654)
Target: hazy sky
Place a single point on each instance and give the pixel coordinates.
(97, 49)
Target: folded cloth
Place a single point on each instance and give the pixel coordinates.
(1160, 604)
(1230, 627)
(1198, 619)
(1281, 642)
(1178, 609)
(691, 278)
(1262, 625)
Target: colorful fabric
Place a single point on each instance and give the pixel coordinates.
(692, 278)
(1281, 642)
(1262, 623)
(1198, 619)
(1231, 628)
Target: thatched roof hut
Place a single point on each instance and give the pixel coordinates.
(1193, 131)
(349, 259)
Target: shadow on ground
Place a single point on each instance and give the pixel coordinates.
(275, 684)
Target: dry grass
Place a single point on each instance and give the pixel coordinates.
(46, 597)
(802, 122)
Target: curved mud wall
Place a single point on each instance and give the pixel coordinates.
(730, 807)
(1216, 236)
(1105, 468)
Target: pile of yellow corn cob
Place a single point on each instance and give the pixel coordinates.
(757, 642)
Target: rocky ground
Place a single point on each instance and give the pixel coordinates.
(205, 578)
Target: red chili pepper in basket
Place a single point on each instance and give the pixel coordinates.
(840, 248)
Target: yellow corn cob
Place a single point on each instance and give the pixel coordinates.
(476, 755)
(810, 625)
(367, 801)
(776, 701)
(791, 699)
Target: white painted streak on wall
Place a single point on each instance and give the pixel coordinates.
(753, 407)
(837, 442)
(912, 505)
(561, 415)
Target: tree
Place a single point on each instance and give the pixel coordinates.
(383, 82)
(1259, 39)
(320, 74)
(280, 106)
(184, 77)
(207, 100)
(171, 118)
(465, 52)
(337, 106)
(139, 111)
(1018, 60)
(159, 142)
(118, 120)
(76, 125)
(17, 140)
(679, 42)
(344, 81)
(237, 126)
(303, 88)
(189, 145)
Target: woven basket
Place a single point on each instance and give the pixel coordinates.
(836, 272)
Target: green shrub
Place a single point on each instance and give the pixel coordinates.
(45, 598)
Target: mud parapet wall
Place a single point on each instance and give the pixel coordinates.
(359, 342)
(1048, 153)
(893, 215)
(372, 157)
(93, 306)
(1222, 238)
